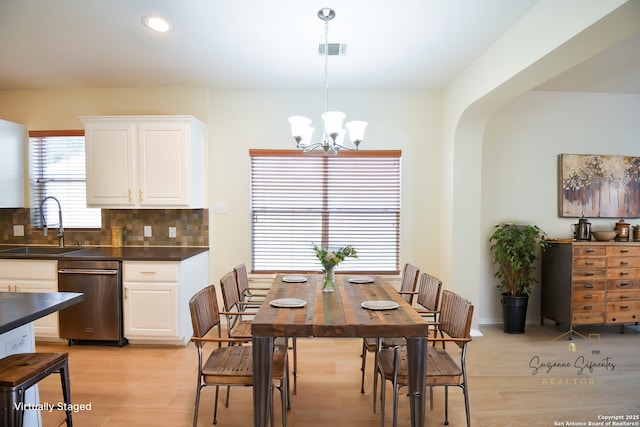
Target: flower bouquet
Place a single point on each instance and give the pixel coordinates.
(329, 260)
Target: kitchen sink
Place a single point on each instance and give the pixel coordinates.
(39, 250)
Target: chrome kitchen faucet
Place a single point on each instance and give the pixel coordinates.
(60, 233)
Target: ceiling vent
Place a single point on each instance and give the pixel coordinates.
(334, 49)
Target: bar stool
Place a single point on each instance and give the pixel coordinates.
(18, 372)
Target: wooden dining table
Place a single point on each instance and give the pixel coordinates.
(337, 314)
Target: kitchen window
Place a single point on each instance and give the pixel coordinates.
(57, 168)
(299, 199)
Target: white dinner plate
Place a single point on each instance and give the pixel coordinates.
(361, 279)
(288, 303)
(380, 305)
(294, 279)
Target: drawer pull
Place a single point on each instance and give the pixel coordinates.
(624, 251)
(624, 262)
(147, 272)
(588, 307)
(589, 263)
(588, 285)
(624, 307)
(624, 296)
(624, 284)
(624, 273)
(590, 273)
(588, 296)
(589, 250)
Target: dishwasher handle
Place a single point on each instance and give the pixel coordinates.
(87, 271)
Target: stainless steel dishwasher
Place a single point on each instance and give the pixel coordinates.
(97, 319)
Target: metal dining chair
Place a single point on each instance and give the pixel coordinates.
(454, 325)
(245, 292)
(230, 365)
(407, 290)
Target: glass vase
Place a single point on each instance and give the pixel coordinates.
(328, 280)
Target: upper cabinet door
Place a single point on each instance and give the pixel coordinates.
(145, 162)
(12, 176)
(110, 159)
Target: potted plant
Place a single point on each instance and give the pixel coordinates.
(514, 250)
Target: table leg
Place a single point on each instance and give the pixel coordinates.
(262, 362)
(417, 364)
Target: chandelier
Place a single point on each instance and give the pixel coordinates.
(333, 134)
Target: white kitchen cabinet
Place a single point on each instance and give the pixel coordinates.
(33, 276)
(145, 162)
(156, 298)
(12, 176)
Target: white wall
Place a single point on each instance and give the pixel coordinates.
(519, 172)
(245, 119)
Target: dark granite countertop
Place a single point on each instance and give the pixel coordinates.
(130, 253)
(20, 308)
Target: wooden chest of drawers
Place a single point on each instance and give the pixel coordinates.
(591, 283)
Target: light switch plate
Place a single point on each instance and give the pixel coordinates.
(18, 230)
(147, 231)
(172, 232)
(220, 208)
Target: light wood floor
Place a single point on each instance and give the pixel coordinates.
(155, 386)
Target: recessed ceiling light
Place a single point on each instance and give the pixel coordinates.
(156, 24)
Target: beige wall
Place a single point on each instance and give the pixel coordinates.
(59, 108)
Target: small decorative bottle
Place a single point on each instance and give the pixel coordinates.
(116, 237)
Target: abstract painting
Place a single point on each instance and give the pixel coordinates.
(599, 186)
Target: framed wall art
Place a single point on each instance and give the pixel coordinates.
(599, 186)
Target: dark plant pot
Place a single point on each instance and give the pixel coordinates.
(514, 313)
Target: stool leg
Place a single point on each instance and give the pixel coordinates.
(10, 399)
(66, 391)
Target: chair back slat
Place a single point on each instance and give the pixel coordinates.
(429, 289)
(205, 314)
(229, 288)
(242, 280)
(455, 316)
(409, 280)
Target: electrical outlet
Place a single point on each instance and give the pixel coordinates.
(147, 231)
(172, 232)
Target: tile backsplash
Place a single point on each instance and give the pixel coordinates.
(192, 228)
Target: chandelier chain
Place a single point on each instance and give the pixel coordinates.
(326, 66)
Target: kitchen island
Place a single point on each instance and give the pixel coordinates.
(17, 312)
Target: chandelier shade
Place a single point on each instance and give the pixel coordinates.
(333, 133)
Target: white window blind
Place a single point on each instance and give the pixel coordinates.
(57, 168)
(300, 199)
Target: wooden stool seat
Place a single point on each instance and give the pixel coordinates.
(18, 372)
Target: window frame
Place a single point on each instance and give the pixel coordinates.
(37, 192)
(372, 155)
